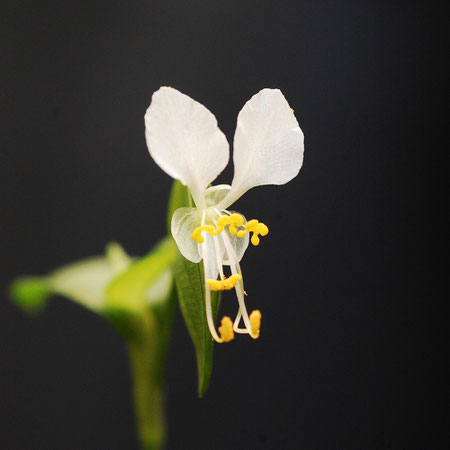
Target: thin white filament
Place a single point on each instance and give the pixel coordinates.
(232, 259)
(209, 316)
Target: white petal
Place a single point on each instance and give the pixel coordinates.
(268, 144)
(184, 140)
(212, 250)
(184, 222)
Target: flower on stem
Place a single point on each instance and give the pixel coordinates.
(184, 140)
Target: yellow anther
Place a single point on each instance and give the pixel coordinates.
(255, 323)
(257, 228)
(215, 285)
(234, 220)
(226, 284)
(226, 330)
(197, 233)
(251, 224)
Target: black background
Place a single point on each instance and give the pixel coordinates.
(346, 280)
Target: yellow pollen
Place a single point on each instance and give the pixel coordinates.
(226, 284)
(255, 323)
(257, 228)
(226, 329)
(197, 233)
(234, 220)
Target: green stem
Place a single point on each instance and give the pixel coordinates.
(148, 395)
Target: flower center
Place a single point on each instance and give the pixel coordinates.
(213, 224)
(233, 221)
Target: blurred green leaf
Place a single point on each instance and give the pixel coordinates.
(117, 257)
(137, 298)
(191, 296)
(83, 281)
(146, 281)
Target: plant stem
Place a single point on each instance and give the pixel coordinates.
(148, 395)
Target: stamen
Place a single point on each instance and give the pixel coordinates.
(257, 228)
(255, 323)
(234, 220)
(197, 233)
(226, 330)
(226, 284)
(236, 324)
(218, 260)
(234, 266)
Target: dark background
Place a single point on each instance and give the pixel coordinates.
(346, 279)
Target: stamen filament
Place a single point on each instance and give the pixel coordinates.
(226, 328)
(236, 324)
(209, 317)
(239, 288)
(218, 261)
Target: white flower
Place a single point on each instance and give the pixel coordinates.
(184, 140)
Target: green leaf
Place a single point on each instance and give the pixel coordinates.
(189, 280)
(191, 296)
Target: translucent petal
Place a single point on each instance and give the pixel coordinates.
(184, 222)
(184, 140)
(239, 244)
(268, 144)
(217, 193)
